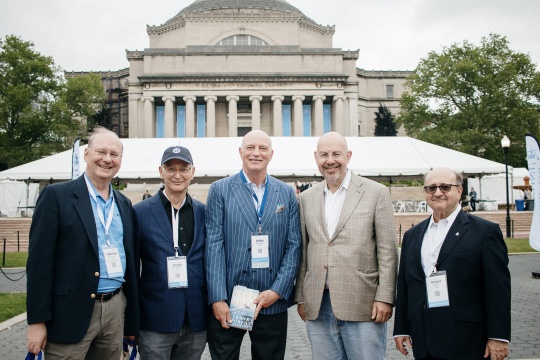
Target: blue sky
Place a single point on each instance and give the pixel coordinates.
(84, 35)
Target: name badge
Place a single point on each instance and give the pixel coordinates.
(177, 272)
(437, 290)
(112, 261)
(259, 251)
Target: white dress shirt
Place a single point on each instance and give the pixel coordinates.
(333, 202)
(433, 240)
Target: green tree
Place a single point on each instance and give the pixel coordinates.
(40, 112)
(384, 122)
(468, 97)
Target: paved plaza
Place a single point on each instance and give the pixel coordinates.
(525, 319)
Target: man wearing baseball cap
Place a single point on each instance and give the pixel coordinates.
(173, 293)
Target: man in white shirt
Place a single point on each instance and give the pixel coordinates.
(345, 288)
(453, 297)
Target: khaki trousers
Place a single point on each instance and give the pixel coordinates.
(102, 341)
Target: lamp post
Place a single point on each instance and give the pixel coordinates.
(505, 143)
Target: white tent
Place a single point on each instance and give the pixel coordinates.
(493, 187)
(374, 157)
(17, 198)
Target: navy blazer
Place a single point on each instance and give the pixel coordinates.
(163, 309)
(231, 218)
(475, 258)
(63, 263)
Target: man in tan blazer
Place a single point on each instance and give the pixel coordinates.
(345, 289)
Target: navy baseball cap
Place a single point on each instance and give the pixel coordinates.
(176, 152)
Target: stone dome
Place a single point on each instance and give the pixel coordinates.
(207, 5)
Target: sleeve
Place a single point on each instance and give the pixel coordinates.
(284, 282)
(215, 250)
(385, 233)
(496, 284)
(401, 322)
(44, 233)
(299, 295)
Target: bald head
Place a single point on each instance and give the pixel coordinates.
(258, 136)
(334, 139)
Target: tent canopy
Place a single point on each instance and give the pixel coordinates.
(373, 157)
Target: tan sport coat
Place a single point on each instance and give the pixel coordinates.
(358, 261)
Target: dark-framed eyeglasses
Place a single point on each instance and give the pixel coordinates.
(432, 189)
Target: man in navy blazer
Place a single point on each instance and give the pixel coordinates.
(173, 293)
(82, 262)
(453, 291)
(253, 240)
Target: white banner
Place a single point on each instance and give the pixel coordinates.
(75, 159)
(533, 161)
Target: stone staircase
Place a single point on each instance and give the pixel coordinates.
(521, 221)
(16, 230)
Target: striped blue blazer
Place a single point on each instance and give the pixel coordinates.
(231, 218)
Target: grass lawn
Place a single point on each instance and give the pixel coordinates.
(518, 245)
(11, 304)
(14, 259)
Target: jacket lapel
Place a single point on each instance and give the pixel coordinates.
(158, 211)
(125, 214)
(354, 194)
(318, 206)
(84, 210)
(244, 198)
(455, 234)
(271, 202)
(416, 247)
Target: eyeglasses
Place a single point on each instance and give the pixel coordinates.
(171, 171)
(432, 189)
(102, 153)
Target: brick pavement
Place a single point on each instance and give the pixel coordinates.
(525, 320)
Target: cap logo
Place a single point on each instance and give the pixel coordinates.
(176, 150)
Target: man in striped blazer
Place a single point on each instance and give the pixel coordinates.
(240, 210)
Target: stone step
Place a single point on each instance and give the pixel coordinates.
(10, 228)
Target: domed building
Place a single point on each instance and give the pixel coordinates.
(220, 68)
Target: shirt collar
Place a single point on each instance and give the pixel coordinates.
(449, 220)
(166, 201)
(248, 182)
(111, 192)
(344, 184)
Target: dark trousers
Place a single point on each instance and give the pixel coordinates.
(429, 357)
(268, 338)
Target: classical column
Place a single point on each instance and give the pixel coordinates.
(298, 115)
(233, 115)
(319, 118)
(136, 127)
(353, 116)
(148, 116)
(190, 115)
(339, 121)
(278, 115)
(255, 112)
(210, 115)
(169, 116)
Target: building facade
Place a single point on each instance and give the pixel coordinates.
(220, 68)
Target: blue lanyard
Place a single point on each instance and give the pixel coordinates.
(263, 203)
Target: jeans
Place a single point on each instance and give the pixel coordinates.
(336, 339)
(183, 344)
